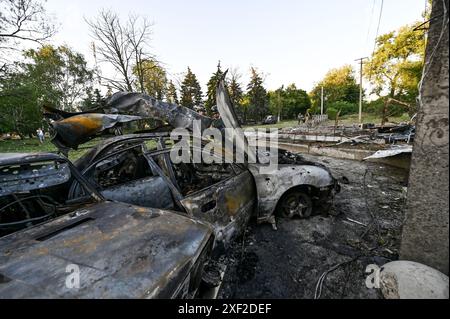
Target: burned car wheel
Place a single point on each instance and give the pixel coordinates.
(296, 203)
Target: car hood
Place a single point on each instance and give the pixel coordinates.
(122, 251)
(230, 120)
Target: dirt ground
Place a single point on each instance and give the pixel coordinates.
(288, 262)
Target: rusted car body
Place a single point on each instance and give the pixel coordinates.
(120, 250)
(137, 169)
(73, 129)
(78, 129)
(225, 195)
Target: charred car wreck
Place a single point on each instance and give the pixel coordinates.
(73, 129)
(139, 223)
(138, 169)
(121, 250)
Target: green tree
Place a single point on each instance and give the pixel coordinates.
(211, 88)
(171, 95)
(19, 104)
(338, 85)
(276, 102)
(295, 101)
(257, 96)
(60, 74)
(236, 94)
(288, 103)
(191, 92)
(92, 100)
(54, 76)
(154, 78)
(244, 108)
(344, 107)
(395, 67)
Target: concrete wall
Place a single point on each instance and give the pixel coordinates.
(425, 231)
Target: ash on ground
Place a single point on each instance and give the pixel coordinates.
(288, 262)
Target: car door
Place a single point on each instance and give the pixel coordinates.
(126, 176)
(227, 204)
(222, 194)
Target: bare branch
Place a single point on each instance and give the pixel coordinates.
(123, 45)
(24, 20)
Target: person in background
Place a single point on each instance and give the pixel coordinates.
(300, 118)
(40, 135)
(308, 118)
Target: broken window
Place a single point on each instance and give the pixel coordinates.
(31, 193)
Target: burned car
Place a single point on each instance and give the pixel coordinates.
(117, 250)
(139, 169)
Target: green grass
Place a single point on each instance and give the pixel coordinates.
(32, 145)
(371, 118)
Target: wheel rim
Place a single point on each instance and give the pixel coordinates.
(297, 204)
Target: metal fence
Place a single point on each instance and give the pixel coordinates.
(317, 119)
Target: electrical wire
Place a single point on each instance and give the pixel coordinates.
(378, 25)
(28, 198)
(370, 22)
(319, 285)
(428, 64)
(433, 52)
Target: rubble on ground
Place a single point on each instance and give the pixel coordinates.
(289, 262)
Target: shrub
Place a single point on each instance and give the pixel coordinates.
(345, 107)
(332, 112)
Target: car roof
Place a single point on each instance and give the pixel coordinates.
(23, 158)
(35, 260)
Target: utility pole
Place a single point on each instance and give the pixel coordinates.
(321, 101)
(360, 87)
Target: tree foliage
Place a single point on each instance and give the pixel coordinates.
(19, 104)
(172, 95)
(211, 88)
(288, 102)
(57, 77)
(338, 85)
(154, 78)
(63, 73)
(395, 68)
(257, 95)
(344, 107)
(191, 92)
(236, 92)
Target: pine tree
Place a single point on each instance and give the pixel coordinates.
(191, 92)
(235, 90)
(172, 96)
(257, 95)
(211, 89)
(236, 95)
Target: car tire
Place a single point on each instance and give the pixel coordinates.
(296, 203)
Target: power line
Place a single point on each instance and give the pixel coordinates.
(378, 26)
(370, 22)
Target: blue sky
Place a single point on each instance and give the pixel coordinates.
(290, 41)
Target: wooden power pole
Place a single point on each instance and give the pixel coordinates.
(321, 101)
(360, 87)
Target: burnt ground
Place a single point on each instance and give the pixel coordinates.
(288, 262)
